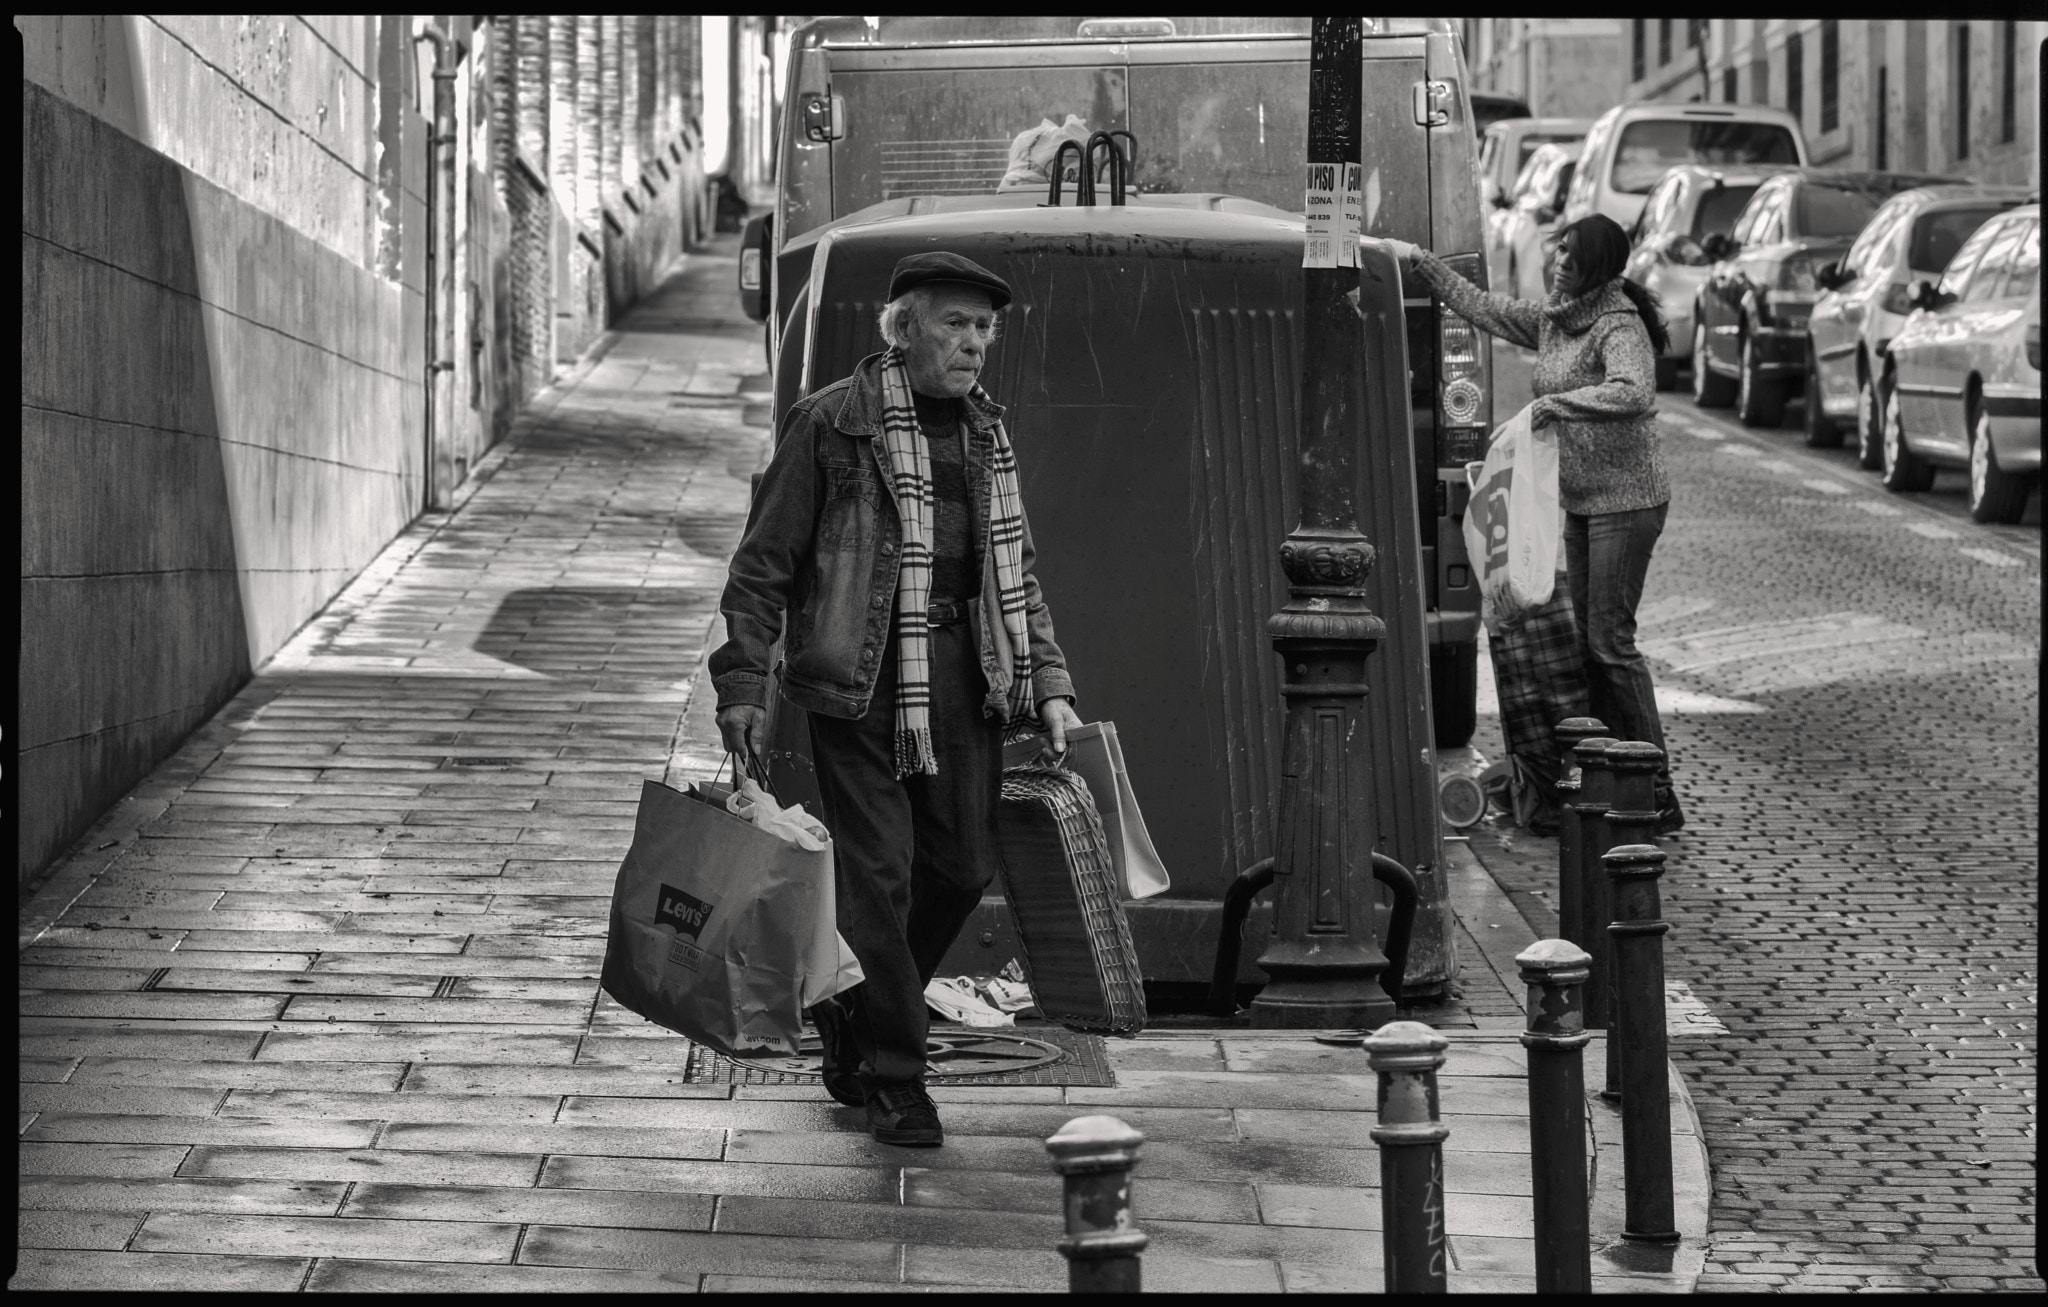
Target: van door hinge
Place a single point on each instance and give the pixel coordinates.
(824, 117)
(1432, 104)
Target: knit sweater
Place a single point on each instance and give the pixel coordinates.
(1595, 378)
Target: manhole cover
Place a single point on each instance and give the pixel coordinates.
(953, 1056)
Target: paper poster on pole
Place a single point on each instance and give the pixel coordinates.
(1348, 214)
(1319, 212)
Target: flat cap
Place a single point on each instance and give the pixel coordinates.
(943, 265)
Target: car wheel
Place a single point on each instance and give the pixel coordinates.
(1758, 402)
(1904, 470)
(1869, 423)
(1667, 374)
(1454, 693)
(1995, 495)
(1821, 431)
(1709, 389)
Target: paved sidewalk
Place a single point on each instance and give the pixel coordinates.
(316, 1006)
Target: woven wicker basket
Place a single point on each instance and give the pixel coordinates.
(1061, 888)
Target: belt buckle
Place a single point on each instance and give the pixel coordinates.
(943, 614)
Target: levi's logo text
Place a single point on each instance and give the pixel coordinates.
(686, 912)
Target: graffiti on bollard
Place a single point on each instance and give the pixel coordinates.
(1571, 909)
(1637, 1042)
(1596, 793)
(1094, 1156)
(1410, 1135)
(1555, 971)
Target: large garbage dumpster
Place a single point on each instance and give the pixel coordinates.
(1150, 365)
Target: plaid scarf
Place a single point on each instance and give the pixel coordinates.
(908, 464)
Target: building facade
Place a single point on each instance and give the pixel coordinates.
(285, 280)
(1562, 67)
(1916, 95)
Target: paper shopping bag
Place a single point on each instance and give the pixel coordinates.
(715, 926)
(1095, 754)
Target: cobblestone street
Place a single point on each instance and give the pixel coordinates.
(1855, 894)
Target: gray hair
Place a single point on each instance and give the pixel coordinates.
(912, 306)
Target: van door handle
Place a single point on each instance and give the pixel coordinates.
(1432, 103)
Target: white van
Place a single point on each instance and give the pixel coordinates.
(1631, 146)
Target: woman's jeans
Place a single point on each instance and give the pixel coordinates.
(1607, 556)
(912, 855)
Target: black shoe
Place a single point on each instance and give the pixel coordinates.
(841, 1054)
(903, 1114)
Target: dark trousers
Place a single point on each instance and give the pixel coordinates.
(1607, 556)
(912, 855)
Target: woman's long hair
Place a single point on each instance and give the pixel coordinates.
(1599, 250)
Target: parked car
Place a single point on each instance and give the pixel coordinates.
(1749, 321)
(1503, 160)
(1632, 145)
(1489, 108)
(1690, 203)
(1962, 379)
(1863, 304)
(1522, 229)
(1508, 145)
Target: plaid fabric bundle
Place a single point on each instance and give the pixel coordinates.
(910, 481)
(1541, 681)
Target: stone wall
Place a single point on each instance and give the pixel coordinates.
(225, 361)
(204, 284)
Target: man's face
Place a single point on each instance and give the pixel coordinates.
(949, 345)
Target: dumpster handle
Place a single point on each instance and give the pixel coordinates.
(1237, 904)
(1084, 184)
(1116, 164)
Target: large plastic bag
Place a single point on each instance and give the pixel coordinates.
(1031, 153)
(722, 929)
(1514, 524)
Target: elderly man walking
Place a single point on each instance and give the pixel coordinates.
(887, 546)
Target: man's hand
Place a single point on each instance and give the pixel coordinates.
(1058, 717)
(744, 728)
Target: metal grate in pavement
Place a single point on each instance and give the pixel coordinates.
(959, 1057)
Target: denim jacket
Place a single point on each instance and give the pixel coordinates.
(820, 550)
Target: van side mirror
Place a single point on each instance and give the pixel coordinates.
(1716, 247)
(1922, 295)
(756, 268)
(1501, 200)
(1833, 276)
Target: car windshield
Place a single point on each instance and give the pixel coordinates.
(1717, 211)
(1937, 236)
(1534, 139)
(1649, 148)
(1833, 210)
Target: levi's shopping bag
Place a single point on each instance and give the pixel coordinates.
(723, 929)
(1095, 755)
(1514, 523)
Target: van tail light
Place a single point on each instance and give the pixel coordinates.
(750, 268)
(1464, 395)
(2034, 344)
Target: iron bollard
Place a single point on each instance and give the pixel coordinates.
(1596, 793)
(1631, 819)
(1571, 911)
(1411, 1138)
(1555, 971)
(1094, 1155)
(1637, 1041)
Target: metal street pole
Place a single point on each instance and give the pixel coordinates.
(1324, 962)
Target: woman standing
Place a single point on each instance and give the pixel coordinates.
(1597, 336)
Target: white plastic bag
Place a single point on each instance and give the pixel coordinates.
(829, 964)
(1031, 153)
(1514, 523)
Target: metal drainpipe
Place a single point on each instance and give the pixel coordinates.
(440, 257)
